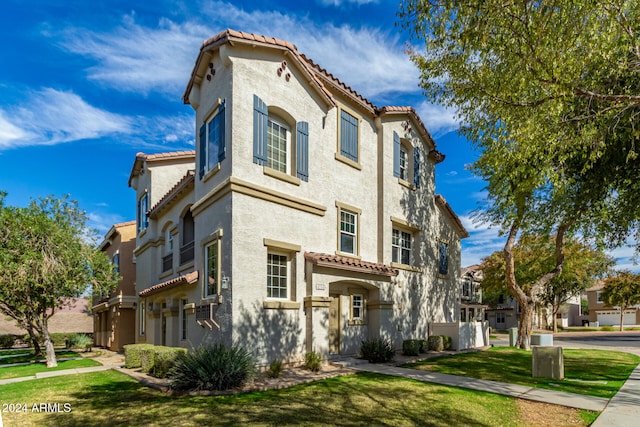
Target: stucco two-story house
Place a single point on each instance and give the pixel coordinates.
(114, 314)
(606, 315)
(307, 216)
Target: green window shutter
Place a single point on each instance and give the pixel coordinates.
(302, 151)
(348, 136)
(416, 167)
(260, 121)
(203, 149)
(396, 155)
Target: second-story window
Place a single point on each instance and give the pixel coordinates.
(348, 232)
(116, 261)
(401, 247)
(404, 164)
(187, 233)
(443, 258)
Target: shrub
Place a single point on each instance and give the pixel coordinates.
(163, 360)
(79, 341)
(607, 328)
(212, 367)
(7, 341)
(446, 342)
(411, 347)
(378, 350)
(435, 343)
(275, 369)
(147, 359)
(313, 361)
(132, 354)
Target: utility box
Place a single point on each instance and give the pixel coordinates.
(594, 324)
(542, 339)
(547, 362)
(513, 336)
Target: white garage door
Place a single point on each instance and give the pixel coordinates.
(609, 318)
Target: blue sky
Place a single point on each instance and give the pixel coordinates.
(85, 85)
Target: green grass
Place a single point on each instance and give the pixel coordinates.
(599, 329)
(34, 368)
(26, 356)
(598, 373)
(111, 398)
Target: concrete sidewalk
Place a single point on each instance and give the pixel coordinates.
(624, 407)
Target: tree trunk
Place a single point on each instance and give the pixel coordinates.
(37, 350)
(51, 352)
(621, 318)
(525, 327)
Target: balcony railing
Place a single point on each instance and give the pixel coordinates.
(187, 253)
(167, 262)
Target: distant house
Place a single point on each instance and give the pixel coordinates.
(73, 317)
(305, 220)
(606, 315)
(471, 306)
(114, 314)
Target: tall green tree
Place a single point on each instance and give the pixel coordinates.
(549, 93)
(533, 256)
(622, 290)
(46, 257)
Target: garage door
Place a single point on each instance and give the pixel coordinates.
(610, 318)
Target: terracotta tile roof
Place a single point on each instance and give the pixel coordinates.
(351, 264)
(231, 36)
(597, 287)
(185, 184)
(338, 84)
(440, 201)
(173, 155)
(187, 279)
(472, 268)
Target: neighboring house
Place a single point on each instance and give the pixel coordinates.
(306, 219)
(72, 317)
(471, 307)
(505, 314)
(114, 314)
(606, 315)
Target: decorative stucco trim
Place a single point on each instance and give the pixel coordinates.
(280, 305)
(283, 246)
(405, 224)
(380, 305)
(317, 302)
(240, 186)
(211, 172)
(280, 175)
(406, 267)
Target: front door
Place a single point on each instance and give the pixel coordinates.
(334, 324)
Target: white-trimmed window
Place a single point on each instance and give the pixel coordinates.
(168, 249)
(348, 232)
(404, 163)
(401, 246)
(599, 296)
(278, 145)
(357, 307)
(277, 276)
(500, 317)
(212, 269)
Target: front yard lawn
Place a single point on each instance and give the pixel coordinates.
(111, 398)
(8, 372)
(26, 355)
(598, 373)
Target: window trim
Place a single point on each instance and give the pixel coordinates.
(214, 238)
(274, 119)
(290, 251)
(208, 168)
(401, 248)
(287, 277)
(143, 208)
(356, 212)
(364, 295)
(339, 156)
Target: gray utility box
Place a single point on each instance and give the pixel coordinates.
(542, 339)
(513, 336)
(548, 362)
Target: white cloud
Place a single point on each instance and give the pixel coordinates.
(143, 59)
(54, 117)
(339, 2)
(483, 241)
(439, 120)
(139, 59)
(102, 222)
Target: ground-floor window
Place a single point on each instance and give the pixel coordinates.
(500, 318)
(277, 276)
